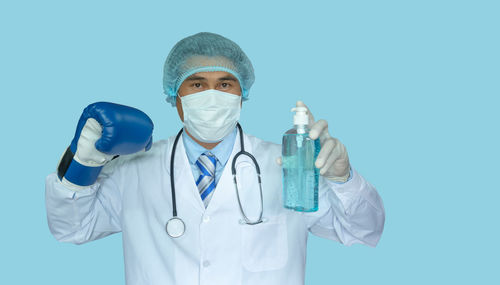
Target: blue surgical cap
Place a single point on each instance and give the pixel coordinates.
(204, 52)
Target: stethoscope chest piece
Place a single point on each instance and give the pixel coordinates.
(175, 227)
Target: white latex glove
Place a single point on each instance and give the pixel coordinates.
(332, 161)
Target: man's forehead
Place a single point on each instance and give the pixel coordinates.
(219, 75)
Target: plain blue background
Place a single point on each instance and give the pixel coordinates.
(410, 87)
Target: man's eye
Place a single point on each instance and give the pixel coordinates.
(224, 85)
(197, 85)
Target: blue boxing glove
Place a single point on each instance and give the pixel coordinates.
(104, 131)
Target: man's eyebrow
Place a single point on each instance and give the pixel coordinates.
(227, 78)
(195, 77)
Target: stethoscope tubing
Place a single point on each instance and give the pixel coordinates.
(172, 183)
(242, 151)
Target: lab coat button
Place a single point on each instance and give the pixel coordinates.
(206, 219)
(206, 263)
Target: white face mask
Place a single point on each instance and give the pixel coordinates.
(210, 115)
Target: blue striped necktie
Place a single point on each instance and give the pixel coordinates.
(206, 181)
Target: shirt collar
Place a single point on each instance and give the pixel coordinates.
(222, 151)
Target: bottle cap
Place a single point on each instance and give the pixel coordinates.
(301, 117)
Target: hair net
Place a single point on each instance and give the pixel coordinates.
(204, 52)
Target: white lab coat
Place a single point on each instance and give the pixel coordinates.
(132, 195)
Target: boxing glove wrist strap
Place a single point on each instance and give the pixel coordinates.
(64, 163)
(75, 172)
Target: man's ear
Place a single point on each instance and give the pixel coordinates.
(178, 104)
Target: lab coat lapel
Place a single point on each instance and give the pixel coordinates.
(248, 186)
(224, 193)
(184, 182)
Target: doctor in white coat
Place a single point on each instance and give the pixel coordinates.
(113, 179)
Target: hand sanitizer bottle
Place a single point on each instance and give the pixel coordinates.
(300, 176)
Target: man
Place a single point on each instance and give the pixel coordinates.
(98, 191)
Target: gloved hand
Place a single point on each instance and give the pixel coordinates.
(332, 160)
(105, 130)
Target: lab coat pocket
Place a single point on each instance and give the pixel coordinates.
(265, 245)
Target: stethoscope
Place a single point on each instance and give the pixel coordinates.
(175, 227)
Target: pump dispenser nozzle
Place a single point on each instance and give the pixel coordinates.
(300, 118)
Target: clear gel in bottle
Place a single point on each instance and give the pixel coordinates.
(300, 176)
